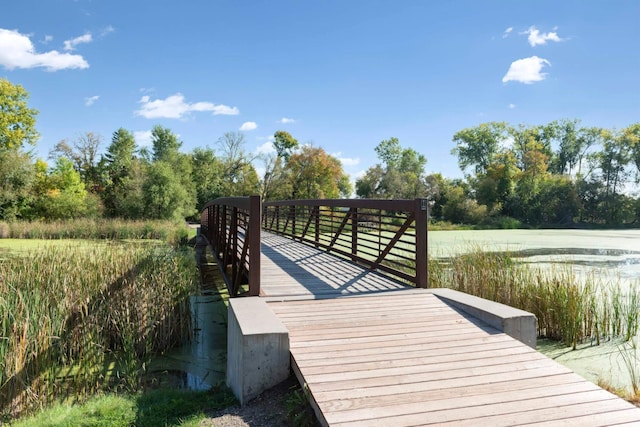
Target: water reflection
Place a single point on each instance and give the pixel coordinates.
(201, 363)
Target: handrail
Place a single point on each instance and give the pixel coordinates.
(232, 227)
(384, 235)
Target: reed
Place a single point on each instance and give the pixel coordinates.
(110, 229)
(87, 316)
(567, 307)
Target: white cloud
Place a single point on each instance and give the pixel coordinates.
(17, 51)
(526, 70)
(346, 161)
(143, 137)
(249, 126)
(47, 39)
(536, 38)
(507, 32)
(286, 120)
(512, 106)
(107, 30)
(266, 148)
(70, 45)
(91, 100)
(175, 107)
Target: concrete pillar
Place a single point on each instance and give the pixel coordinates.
(257, 348)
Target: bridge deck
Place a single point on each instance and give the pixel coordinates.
(406, 358)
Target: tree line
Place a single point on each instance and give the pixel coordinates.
(82, 178)
(554, 174)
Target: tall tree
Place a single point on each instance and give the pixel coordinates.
(83, 153)
(16, 178)
(62, 193)
(478, 146)
(117, 164)
(400, 176)
(239, 177)
(284, 144)
(165, 143)
(314, 174)
(207, 175)
(17, 120)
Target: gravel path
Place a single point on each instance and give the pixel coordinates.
(267, 410)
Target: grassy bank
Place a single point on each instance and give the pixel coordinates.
(87, 316)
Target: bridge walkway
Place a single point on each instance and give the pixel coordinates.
(373, 352)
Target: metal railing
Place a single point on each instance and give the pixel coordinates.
(389, 236)
(232, 227)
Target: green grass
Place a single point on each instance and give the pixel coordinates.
(164, 407)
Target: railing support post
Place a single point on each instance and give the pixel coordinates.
(255, 210)
(422, 267)
(354, 234)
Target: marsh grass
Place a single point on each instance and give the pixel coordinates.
(109, 229)
(84, 317)
(567, 307)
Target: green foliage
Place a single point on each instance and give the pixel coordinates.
(17, 120)
(299, 410)
(16, 179)
(62, 194)
(166, 197)
(314, 174)
(207, 175)
(478, 146)
(401, 176)
(284, 144)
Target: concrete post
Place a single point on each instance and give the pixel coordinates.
(257, 348)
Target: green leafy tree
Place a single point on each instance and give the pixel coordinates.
(314, 174)
(239, 177)
(478, 146)
(16, 178)
(117, 164)
(284, 144)
(207, 175)
(400, 176)
(17, 120)
(165, 143)
(83, 153)
(62, 193)
(165, 195)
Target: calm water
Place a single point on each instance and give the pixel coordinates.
(614, 254)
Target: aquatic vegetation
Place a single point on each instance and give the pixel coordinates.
(568, 307)
(87, 316)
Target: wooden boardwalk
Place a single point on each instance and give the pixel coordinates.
(375, 353)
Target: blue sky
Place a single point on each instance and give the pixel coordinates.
(343, 75)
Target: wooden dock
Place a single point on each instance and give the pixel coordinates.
(373, 352)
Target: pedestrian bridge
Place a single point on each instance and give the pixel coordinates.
(337, 291)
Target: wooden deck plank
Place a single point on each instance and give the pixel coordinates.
(374, 353)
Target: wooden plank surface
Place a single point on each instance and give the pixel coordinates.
(382, 361)
(373, 352)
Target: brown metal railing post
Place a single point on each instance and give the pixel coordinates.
(422, 268)
(354, 234)
(277, 218)
(292, 213)
(316, 211)
(255, 208)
